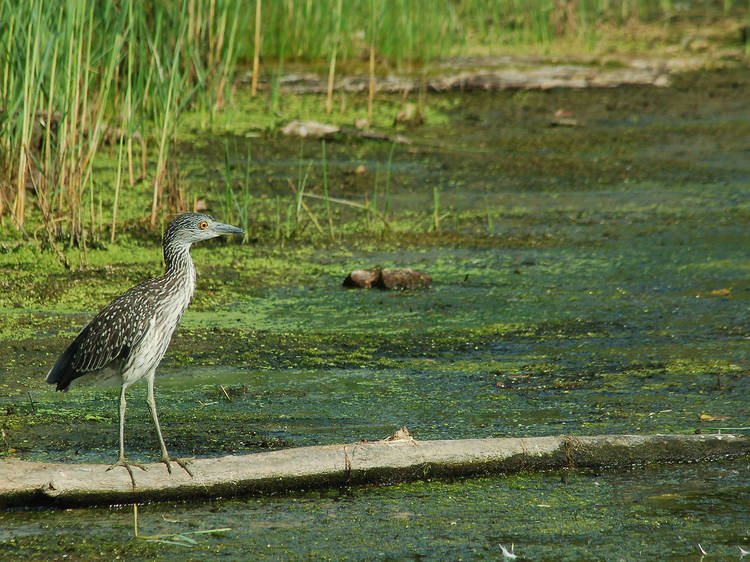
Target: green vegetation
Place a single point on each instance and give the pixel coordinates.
(588, 279)
(89, 73)
(651, 513)
(110, 85)
(409, 33)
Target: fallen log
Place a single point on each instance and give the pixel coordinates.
(398, 458)
(494, 74)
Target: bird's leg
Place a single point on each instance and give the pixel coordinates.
(121, 458)
(164, 454)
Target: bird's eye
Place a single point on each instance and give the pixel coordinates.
(203, 225)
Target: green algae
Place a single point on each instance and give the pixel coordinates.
(647, 513)
(587, 280)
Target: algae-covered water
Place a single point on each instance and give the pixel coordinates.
(590, 279)
(655, 513)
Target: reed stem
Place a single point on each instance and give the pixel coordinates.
(332, 64)
(256, 49)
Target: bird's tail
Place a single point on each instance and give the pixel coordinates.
(62, 372)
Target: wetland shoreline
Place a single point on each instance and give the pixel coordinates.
(586, 280)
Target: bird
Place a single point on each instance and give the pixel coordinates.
(128, 338)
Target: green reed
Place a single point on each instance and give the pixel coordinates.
(324, 166)
(236, 206)
(83, 72)
(80, 74)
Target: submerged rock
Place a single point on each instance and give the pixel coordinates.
(315, 129)
(404, 279)
(387, 279)
(309, 129)
(362, 278)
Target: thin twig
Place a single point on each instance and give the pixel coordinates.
(306, 208)
(352, 204)
(49, 222)
(224, 390)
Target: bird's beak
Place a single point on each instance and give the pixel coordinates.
(222, 228)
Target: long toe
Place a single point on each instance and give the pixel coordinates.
(182, 462)
(126, 465)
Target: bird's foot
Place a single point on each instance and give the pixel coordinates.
(126, 465)
(182, 462)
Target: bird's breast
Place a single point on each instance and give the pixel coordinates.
(174, 297)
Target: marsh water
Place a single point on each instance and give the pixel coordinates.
(589, 279)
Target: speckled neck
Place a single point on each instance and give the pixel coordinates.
(180, 275)
(177, 257)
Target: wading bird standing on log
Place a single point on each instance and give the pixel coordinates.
(129, 337)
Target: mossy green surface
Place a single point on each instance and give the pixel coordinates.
(586, 280)
(656, 513)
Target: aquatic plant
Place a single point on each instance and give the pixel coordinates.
(88, 73)
(85, 75)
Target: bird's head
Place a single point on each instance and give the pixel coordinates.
(188, 228)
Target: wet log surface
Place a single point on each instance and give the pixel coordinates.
(500, 72)
(395, 459)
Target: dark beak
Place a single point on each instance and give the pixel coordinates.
(222, 228)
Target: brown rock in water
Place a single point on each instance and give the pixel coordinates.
(309, 129)
(388, 279)
(404, 279)
(362, 278)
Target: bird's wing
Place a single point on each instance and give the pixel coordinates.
(110, 335)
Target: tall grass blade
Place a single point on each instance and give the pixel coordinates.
(332, 64)
(256, 49)
(161, 161)
(435, 209)
(325, 191)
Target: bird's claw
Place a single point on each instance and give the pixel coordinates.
(126, 465)
(182, 462)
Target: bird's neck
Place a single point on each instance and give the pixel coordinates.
(178, 262)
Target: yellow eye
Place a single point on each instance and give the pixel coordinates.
(203, 225)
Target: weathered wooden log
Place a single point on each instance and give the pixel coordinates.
(493, 74)
(399, 458)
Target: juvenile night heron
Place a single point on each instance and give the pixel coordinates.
(129, 337)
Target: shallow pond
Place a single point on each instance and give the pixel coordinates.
(588, 280)
(655, 513)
